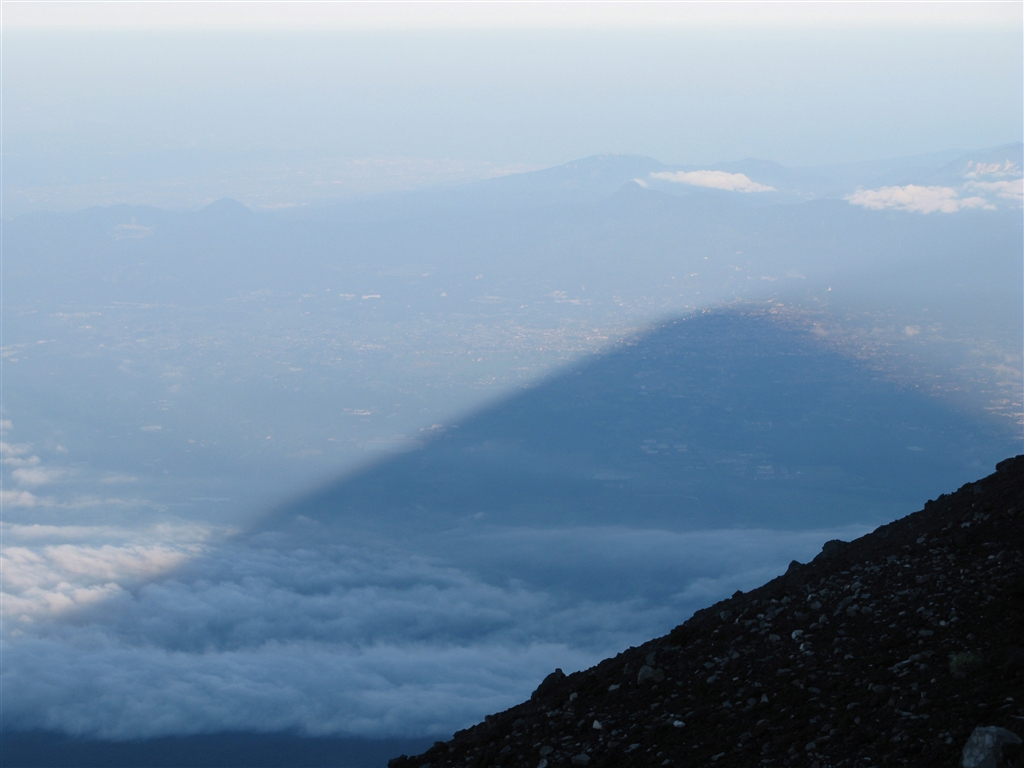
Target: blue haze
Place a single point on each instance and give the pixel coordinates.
(543, 417)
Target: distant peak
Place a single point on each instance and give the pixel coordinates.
(226, 205)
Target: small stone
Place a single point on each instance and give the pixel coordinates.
(581, 759)
(716, 758)
(572, 696)
(546, 750)
(984, 749)
(797, 634)
(925, 633)
(613, 687)
(543, 763)
(678, 723)
(597, 725)
(774, 638)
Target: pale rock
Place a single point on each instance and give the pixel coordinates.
(984, 749)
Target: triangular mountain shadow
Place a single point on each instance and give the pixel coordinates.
(725, 419)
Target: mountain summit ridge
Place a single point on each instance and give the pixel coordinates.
(888, 650)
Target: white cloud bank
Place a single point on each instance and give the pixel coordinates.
(916, 199)
(730, 182)
(50, 570)
(303, 632)
(36, 475)
(18, 499)
(1005, 168)
(1009, 189)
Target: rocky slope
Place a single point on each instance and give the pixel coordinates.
(888, 650)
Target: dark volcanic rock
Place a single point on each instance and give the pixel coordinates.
(888, 650)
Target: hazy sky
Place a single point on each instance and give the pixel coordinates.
(514, 85)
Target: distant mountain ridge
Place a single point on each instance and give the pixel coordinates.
(597, 176)
(670, 240)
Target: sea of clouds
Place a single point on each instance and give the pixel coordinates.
(182, 629)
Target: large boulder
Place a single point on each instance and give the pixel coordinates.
(986, 748)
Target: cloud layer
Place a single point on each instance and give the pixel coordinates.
(916, 199)
(976, 170)
(306, 631)
(52, 570)
(1008, 189)
(731, 182)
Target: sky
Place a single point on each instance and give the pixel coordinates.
(138, 99)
